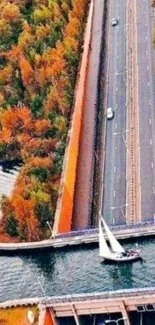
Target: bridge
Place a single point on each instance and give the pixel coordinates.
(83, 237)
(111, 302)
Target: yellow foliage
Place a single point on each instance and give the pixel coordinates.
(5, 28)
(25, 39)
(70, 44)
(6, 74)
(17, 315)
(42, 31)
(42, 14)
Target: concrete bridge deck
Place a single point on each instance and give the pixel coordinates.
(82, 237)
(121, 301)
(101, 303)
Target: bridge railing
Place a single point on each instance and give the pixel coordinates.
(91, 231)
(99, 295)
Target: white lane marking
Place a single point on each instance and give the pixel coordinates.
(114, 193)
(153, 189)
(114, 169)
(148, 84)
(151, 142)
(150, 121)
(149, 102)
(115, 148)
(116, 72)
(147, 68)
(117, 55)
(115, 125)
(118, 17)
(115, 106)
(145, 38)
(145, 25)
(116, 88)
(152, 164)
(146, 52)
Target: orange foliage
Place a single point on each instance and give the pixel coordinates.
(11, 13)
(41, 126)
(5, 136)
(24, 210)
(40, 162)
(37, 75)
(28, 75)
(73, 27)
(38, 147)
(18, 120)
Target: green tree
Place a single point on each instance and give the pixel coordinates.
(11, 226)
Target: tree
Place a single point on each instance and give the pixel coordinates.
(17, 120)
(11, 226)
(27, 73)
(11, 13)
(42, 14)
(40, 44)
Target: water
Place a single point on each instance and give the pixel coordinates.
(75, 270)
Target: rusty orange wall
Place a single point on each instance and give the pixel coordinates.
(48, 319)
(63, 216)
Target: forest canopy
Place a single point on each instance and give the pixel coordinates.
(40, 47)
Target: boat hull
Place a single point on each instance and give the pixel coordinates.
(129, 259)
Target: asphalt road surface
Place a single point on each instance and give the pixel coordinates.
(114, 198)
(146, 77)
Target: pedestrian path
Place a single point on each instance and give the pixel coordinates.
(8, 176)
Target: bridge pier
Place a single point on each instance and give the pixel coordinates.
(53, 316)
(124, 312)
(76, 317)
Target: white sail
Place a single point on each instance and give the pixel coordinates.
(115, 245)
(104, 249)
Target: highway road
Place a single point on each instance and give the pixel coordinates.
(114, 198)
(146, 93)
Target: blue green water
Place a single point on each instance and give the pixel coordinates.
(75, 270)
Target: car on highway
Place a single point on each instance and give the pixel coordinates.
(114, 22)
(110, 113)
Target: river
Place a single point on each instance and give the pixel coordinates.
(73, 270)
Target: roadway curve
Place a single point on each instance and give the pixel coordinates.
(146, 90)
(114, 197)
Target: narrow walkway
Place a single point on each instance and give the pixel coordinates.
(7, 181)
(83, 188)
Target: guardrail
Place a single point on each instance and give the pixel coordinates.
(99, 295)
(47, 301)
(82, 232)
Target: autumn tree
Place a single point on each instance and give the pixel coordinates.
(40, 46)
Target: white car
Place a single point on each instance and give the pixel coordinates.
(110, 113)
(114, 22)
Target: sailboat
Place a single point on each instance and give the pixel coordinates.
(115, 252)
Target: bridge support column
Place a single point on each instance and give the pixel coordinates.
(76, 317)
(53, 316)
(125, 313)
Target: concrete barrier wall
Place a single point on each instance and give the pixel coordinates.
(63, 216)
